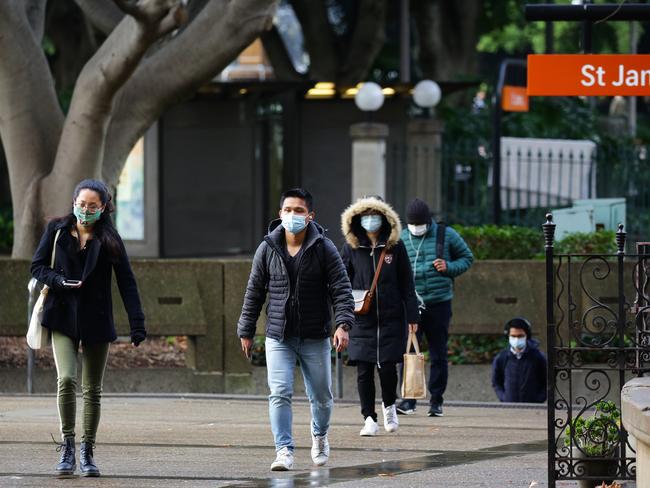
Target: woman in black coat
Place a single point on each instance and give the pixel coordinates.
(79, 310)
(379, 338)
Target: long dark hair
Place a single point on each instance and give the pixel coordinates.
(103, 229)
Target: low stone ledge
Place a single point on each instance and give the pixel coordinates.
(635, 415)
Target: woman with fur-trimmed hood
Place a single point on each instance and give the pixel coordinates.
(369, 226)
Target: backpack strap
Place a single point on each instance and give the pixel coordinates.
(440, 240)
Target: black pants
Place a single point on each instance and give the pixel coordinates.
(434, 324)
(366, 384)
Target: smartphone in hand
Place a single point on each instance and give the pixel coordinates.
(72, 283)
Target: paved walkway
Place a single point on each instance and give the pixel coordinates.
(201, 441)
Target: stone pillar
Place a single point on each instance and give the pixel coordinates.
(635, 415)
(424, 162)
(368, 159)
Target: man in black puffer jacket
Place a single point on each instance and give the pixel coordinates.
(303, 273)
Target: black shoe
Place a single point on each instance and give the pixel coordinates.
(87, 464)
(405, 407)
(435, 410)
(67, 464)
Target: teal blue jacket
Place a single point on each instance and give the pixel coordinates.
(432, 286)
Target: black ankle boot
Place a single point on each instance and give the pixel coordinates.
(87, 464)
(67, 464)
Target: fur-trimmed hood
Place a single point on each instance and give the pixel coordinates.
(356, 236)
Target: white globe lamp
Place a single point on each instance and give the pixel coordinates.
(426, 94)
(369, 98)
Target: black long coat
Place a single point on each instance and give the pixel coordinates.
(85, 313)
(381, 335)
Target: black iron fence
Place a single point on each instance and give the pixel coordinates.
(534, 179)
(598, 336)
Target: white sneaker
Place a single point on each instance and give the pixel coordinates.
(283, 460)
(390, 418)
(370, 428)
(320, 449)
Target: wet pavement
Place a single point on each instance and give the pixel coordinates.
(167, 441)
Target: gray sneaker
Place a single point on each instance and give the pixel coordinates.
(283, 460)
(320, 449)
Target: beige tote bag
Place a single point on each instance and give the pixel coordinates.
(414, 382)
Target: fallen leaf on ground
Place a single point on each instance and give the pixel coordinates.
(533, 483)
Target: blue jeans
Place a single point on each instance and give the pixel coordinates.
(316, 365)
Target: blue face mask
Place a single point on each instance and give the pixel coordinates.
(517, 343)
(294, 223)
(372, 223)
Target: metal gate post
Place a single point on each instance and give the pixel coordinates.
(549, 235)
(620, 255)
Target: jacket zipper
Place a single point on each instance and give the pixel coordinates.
(374, 266)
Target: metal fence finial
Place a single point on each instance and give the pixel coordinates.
(620, 239)
(549, 230)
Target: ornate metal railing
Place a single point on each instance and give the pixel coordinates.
(598, 333)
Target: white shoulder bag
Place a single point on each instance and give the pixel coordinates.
(37, 335)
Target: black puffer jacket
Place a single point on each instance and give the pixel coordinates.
(381, 335)
(321, 279)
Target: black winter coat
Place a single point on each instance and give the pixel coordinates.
(380, 336)
(321, 279)
(85, 313)
(520, 380)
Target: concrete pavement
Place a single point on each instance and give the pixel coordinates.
(203, 440)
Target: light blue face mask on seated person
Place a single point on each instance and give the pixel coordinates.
(294, 223)
(372, 223)
(517, 343)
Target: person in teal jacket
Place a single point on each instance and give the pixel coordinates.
(435, 262)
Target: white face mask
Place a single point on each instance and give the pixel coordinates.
(517, 343)
(418, 230)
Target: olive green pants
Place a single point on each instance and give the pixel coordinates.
(93, 363)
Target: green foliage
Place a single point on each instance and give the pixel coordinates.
(504, 29)
(6, 231)
(598, 434)
(600, 242)
(548, 117)
(474, 349)
(48, 46)
(258, 352)
(502, 242)
(553, 118)
(513, 242)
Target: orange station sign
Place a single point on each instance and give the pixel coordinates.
(514, 99)
(588, 75)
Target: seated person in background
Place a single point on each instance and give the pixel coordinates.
(519, 371)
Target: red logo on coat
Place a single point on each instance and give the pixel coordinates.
(388, 258)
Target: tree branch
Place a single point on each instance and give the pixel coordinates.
(320, 41)
(279, 57)
(81, 150)
(30, 116)
(103, 14)
(35, 10)
(448, 35)
(368, 39)
(202, 50)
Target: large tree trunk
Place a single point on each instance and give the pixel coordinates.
(31, 120)
(119, 94)
(448, 36)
